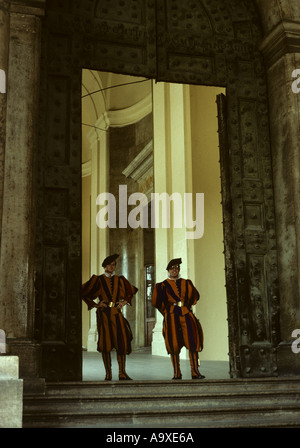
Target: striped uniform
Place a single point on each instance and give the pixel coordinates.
(113, 329)
(180, 325)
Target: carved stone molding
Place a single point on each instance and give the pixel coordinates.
(100, 126)
(141, 167)
(130, 115)
(285, 38)
(32, 7)
(86, 169)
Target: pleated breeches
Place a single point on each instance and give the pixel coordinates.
(179, 331)
(114, 331)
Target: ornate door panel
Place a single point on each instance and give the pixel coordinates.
(107, 35)
(58, 270)
(250, 252)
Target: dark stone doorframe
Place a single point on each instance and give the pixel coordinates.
(166, 41)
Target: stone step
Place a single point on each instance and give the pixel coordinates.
(206, 403)
(100, 388)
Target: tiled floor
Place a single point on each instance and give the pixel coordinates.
(142, 365)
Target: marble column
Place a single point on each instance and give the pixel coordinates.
(4, 50)
(18, 223)
(172, 165)
(98, 139)
(281, 48)
(162, 246)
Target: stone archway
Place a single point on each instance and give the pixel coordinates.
(209, 43)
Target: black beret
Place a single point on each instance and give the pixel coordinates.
(109, 259)
(173, 263)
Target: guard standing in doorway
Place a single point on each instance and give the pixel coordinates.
(114, 330)
(174, 298)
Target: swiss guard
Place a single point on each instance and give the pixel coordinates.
(114, 332)
(174, 298)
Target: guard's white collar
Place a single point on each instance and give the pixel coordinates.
(109, 275)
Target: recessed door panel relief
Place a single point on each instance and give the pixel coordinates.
(205, 42)
(58, 268)
(251, 274)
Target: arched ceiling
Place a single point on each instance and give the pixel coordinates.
(103, 92)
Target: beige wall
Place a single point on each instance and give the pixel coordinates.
(209, 258)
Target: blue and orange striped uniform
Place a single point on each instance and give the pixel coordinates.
(180, 325)
(113, 329)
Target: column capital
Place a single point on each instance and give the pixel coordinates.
(283, 39)
(99, 129)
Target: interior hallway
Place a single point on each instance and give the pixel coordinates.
(142, 365)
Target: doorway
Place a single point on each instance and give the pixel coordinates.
(106, 138)
(209, 44)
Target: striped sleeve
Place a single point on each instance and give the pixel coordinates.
(90, 290)
(159, 297)
(193, 294)
(129, 289)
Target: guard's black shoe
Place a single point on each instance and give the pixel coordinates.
(124, 377)
(198, 377)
